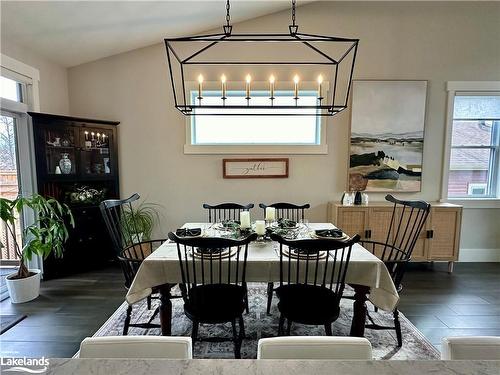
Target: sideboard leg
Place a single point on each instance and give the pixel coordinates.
(450, 266)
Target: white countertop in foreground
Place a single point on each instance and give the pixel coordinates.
(274, 367)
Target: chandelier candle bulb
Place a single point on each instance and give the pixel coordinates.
(248, 80)
(270, 213)
(320, 82)
(296, 80)
(271, 86)
(223, 82)
(245, 220)
(260, 227)
(200, 84)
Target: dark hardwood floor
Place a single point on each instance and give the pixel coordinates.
(439, 304)
(68, 310)
(464, 303)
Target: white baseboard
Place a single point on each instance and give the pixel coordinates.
(479, 255)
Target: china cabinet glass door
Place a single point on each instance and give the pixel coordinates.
(95, 153)
(61, 151)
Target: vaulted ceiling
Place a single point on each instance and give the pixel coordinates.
(75, 32)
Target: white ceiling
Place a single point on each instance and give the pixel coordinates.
(75, 32)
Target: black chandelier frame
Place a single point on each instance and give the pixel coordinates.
(324, 107)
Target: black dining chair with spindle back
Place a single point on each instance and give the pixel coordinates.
(225, 211)
(407, 221)
(287, 211)
(213, 272)
(130, 248)
(312, 280)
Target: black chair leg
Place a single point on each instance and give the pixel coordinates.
(242, 328)
(236, 340)
(281, 324)
(397, 325)
(194, 331)
(149, 302)
(288, 327)
(246, 298)
(328, 329)
(270, 290)
(375, 308)
(127, 321)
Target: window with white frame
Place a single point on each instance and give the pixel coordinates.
(475, 143)
(242, 132)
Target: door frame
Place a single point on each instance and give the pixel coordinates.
(30, 78)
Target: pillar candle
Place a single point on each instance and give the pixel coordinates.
(270, 213)
(245, 219)
(260, 227)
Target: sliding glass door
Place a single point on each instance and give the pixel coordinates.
(10, 183)
(16, 171)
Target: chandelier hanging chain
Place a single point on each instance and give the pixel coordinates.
(228, 28)
(228, 16)
(293, 27)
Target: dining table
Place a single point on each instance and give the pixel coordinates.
(366, 274)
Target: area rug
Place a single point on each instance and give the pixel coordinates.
(259, 325)
(9, 321)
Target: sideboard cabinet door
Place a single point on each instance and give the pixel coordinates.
(352, 220)
(445, 233)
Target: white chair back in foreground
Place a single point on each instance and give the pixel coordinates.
(314, 347)
(166, 347)
(471, 347)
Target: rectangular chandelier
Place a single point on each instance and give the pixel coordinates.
(261, 74)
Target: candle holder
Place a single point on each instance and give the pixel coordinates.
(261, 239)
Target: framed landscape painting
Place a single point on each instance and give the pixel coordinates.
(387, 136)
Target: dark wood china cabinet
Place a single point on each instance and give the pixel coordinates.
(77, 163)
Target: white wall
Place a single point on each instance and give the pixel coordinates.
(438, 42)
(53, 86)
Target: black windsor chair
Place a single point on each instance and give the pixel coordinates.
(213, 282)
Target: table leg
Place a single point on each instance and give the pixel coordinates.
(359, 310)
(166, 310)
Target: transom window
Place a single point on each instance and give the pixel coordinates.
(475, 141)
(259, 133)
(11, 89)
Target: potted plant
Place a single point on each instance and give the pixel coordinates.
(47, 234)
(138, 222)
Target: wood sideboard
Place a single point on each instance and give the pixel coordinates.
(439, 240)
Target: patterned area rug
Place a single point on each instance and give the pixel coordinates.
(259, 325)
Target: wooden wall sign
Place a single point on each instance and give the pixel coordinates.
(255, 168)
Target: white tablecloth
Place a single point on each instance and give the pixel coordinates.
(162, 266)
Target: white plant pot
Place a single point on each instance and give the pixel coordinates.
(23, 290)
